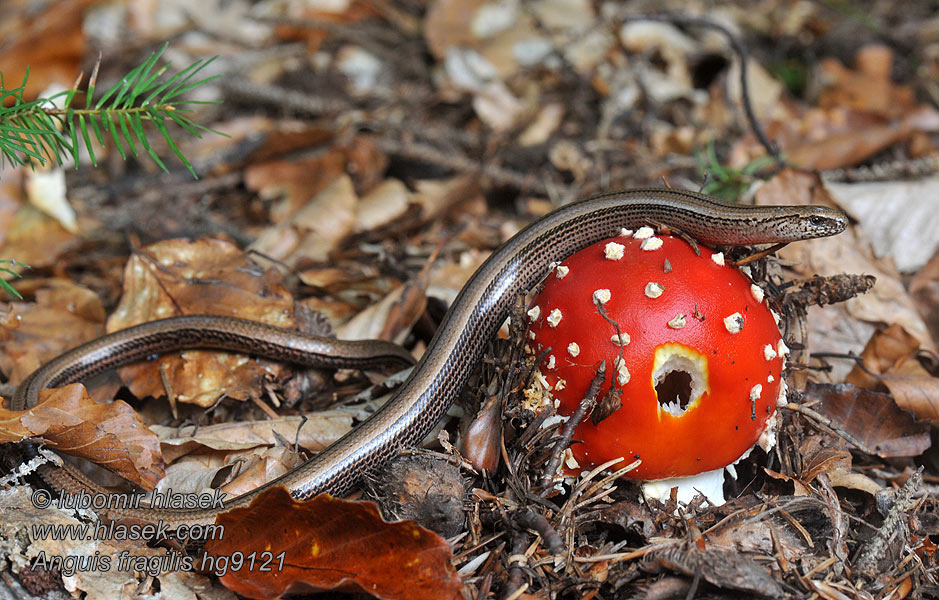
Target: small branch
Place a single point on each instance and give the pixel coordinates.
(567, 432)
(907, 497)
(532, 520)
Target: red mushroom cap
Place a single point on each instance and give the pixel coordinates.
(701, 353)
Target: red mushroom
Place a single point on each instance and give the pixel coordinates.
(692, 347)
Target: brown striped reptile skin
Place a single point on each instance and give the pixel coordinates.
(474, 317)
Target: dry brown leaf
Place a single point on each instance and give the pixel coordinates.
(722, 568)
(32, 237)
(861, 113)
(924, 288)
(202, 277)
(110, 435)
(868, 87)
(63, 316)
(252, 141)
(886, 350)
(919, 395)
(328, 544)
(385, 203)
(900, 217)
(313, 433)
(890, 363)
(295, 183)
(48, 40)
(872, 418)
(257, 468)
(315, 230)
(822, 460)
(847, 326)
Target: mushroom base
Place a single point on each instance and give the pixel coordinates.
(709, 484)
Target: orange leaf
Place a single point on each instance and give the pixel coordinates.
(111, 435)
(328, 543)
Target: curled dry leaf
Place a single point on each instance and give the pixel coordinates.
(111, 435)
(63, 316)
(28, 234)
(849, 325)
(890, 364)
(862, 112)
(332, 544)
(315, 229)
(192, 277)
(49, 40)
(314, 433)
(872, 418)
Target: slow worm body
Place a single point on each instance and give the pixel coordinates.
(474, 317)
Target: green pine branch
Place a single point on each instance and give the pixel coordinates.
(5, 285)
(36, 132)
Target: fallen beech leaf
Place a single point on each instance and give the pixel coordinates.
(33, 237)
(294, 182)
(917, 394)
(313, 432)
(63, 316)
(871, 417)
(900, 225)
(313, 231)
(384, 204)
(110, 435)
(884, 351)
(890, 363)
(868, 88)
(327, 544)
(211, 276)
(861, 112)
(924, 288)
(49, 40)
(848, 326)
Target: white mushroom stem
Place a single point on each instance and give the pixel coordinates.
(709, 483)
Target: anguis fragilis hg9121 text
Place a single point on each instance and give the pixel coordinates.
(474, 317)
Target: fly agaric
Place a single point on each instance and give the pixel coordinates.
(690, 345)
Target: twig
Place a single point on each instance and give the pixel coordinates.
(517, 562)
(830, 425)
(567, 432)
(907, 497)
(532, 520)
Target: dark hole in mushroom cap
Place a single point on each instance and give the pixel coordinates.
(674, 387)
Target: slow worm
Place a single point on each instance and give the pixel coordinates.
(458, 345)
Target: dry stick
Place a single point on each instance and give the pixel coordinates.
(299, 101)
(738, 47)
(517, 563)
(532, 520)
(830, 425)
(907, 497)
(567, 432)
(464, 164)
